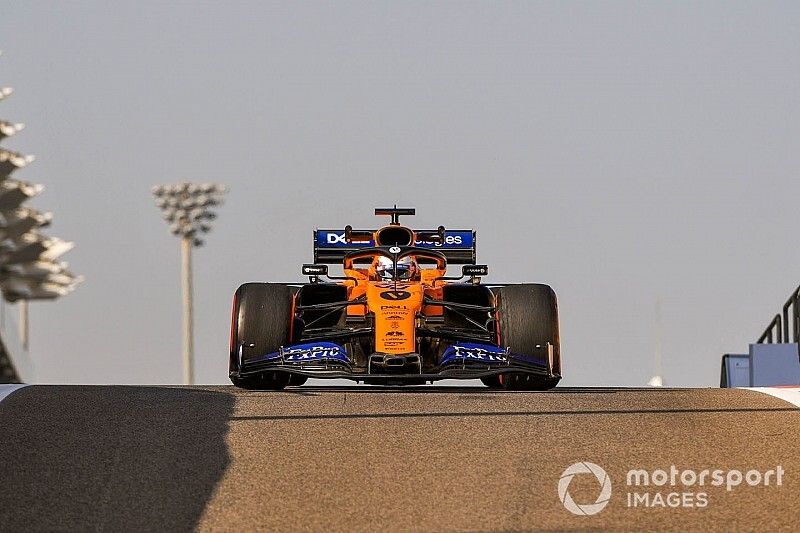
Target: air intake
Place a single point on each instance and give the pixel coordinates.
(394, 236)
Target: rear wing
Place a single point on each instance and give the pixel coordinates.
(330, 245)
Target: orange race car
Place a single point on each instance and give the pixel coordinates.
(395, 317)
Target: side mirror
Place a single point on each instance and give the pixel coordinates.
(475, 270)
(315, 270)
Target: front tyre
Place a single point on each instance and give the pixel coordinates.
(528, 319)
(260, 325)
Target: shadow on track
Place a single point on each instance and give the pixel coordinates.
(110, 458)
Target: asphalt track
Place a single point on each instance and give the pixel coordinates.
(84, 458)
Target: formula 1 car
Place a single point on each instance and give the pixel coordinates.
(395, 317)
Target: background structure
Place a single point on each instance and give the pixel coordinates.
(30, 265)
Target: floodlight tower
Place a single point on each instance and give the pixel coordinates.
(187, 209)
(29, 269)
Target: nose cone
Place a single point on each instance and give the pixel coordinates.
(395, 307)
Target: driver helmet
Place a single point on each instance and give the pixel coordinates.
(406, 268)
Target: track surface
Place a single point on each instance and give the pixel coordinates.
(335, 459)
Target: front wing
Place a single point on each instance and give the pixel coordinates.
(461, 361)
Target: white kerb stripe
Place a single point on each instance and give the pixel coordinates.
(5, 390)
(788, 394)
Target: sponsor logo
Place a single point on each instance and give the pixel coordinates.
(337, 239)
(401, 314)
(451, 240)
(393, 343)
(393, 307)
(394, 249)
(479, 354)
(312, 353)
(395, 334)
(395, 295)
(475, 270)
(586, 509)
(333, 238)
(315, 270)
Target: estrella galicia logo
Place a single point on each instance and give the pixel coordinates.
(587, 509)
(395, 295)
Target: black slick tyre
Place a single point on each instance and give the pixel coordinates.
(528, 319)
(261, 324)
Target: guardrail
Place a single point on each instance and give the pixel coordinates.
(785, 326)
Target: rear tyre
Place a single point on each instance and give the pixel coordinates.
(528, 318)
(260, 325)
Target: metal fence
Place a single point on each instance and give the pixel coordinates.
(785, 326)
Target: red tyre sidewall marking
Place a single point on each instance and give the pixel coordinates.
(497, 331)
(291, 319)
(233, 323)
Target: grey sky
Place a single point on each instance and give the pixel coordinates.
(621, 152)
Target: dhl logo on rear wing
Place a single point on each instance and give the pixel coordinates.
(330, 246)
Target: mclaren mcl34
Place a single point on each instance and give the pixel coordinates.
(395, 316)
